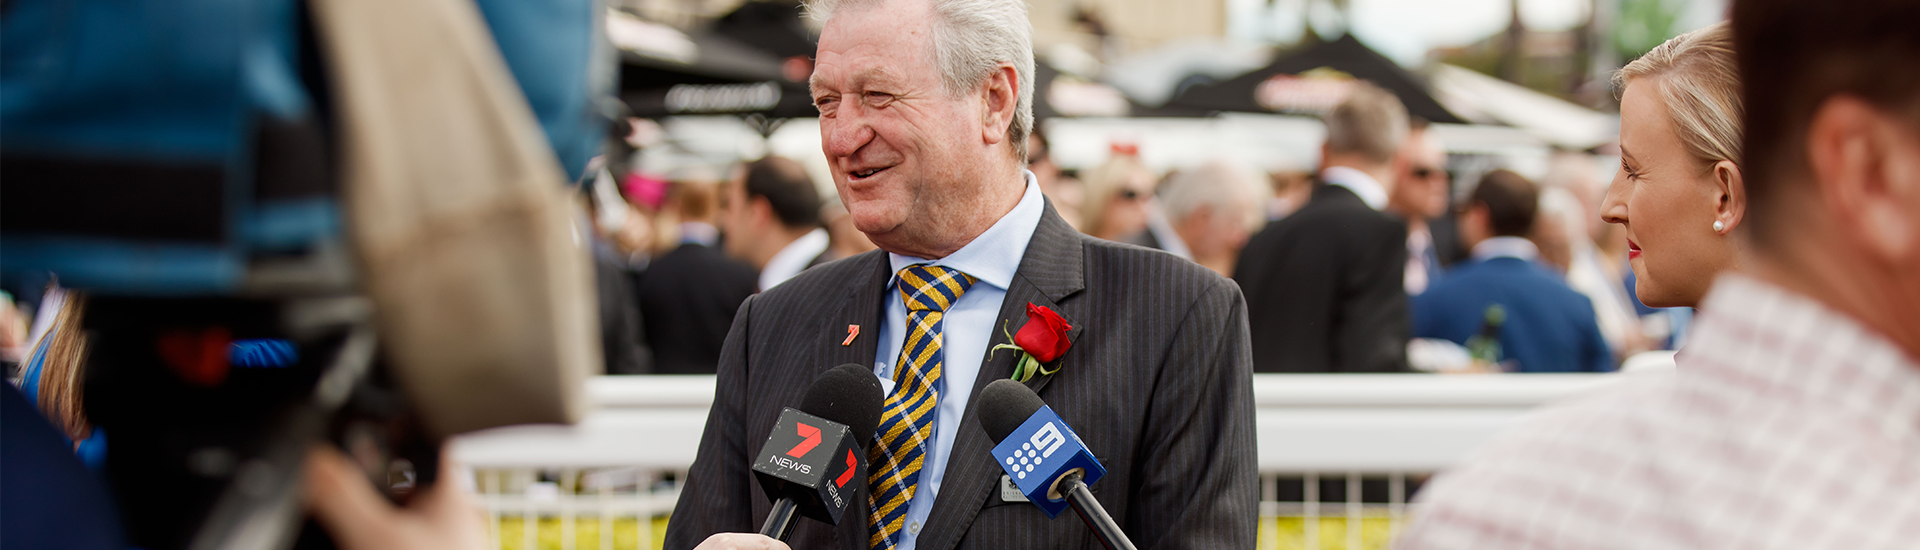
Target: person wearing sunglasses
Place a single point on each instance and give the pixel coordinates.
(1420, 195)
(1117, 193)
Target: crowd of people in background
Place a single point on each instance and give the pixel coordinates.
(1382, 260)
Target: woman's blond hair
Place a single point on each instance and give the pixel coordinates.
(61, 357)
(1103, 183)
(1701, 88)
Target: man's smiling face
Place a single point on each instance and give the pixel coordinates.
(901, 148)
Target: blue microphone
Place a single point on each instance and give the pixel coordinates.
(1044, 458)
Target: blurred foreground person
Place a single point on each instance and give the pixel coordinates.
(770, 214)
(1791, 422)
(1211, 211)
(1543, 326)
(1680, 192)
(688, 295)
(1419, 196)
(1325, 285)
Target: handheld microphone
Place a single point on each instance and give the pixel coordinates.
(1044, 458)
(815, 460)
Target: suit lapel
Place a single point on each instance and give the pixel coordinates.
(1050, 271)
(862, 306)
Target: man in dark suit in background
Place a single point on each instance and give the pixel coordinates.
(1546, 326)
(689, 295)
(929, 159)
(1325, 285)
(770, 212)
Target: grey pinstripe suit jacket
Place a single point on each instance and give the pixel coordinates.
(1158, 383)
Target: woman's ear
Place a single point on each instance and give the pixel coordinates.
(1730, 195)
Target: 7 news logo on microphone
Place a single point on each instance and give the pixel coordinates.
(794, 462)
(1042, 450)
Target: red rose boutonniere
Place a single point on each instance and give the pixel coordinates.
(1042, 340)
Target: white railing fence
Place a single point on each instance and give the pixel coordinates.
(1339, 455)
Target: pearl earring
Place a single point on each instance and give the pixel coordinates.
(1719, 226)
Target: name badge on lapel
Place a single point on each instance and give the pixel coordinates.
(1009, 492)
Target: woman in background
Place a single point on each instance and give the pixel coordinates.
(1679, 193)
(1117, 197)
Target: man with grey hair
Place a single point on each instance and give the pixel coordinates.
(1325, 286)
(925, 108)
(1209, 212)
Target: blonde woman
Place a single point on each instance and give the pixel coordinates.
(1117, 194)
(1679, 192)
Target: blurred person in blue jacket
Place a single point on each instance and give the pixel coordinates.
(1547, 326)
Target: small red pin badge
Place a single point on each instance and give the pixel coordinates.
(852, 331)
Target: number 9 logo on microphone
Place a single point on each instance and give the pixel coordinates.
(1039, 452)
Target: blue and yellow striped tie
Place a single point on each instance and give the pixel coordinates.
(906, 423)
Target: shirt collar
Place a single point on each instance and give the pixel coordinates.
(700, 233)
(1368, 189)
(994, 256)
(1506, 247)
(793, 258)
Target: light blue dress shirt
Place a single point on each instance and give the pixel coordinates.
(967, 327)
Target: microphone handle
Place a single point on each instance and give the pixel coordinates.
(780, 521)
(1090, 511)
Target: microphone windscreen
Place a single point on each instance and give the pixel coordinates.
(1005, 405)
(848, 394)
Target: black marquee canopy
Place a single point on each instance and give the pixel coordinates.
(1308, 81)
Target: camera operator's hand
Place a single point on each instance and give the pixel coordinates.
(740, 541)
(361, 519)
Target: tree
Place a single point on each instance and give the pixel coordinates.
(1513, 60)
(1643, 25)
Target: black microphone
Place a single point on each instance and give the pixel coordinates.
(815, 453)
(1044, 458)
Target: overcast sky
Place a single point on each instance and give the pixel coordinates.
(1405, 29)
